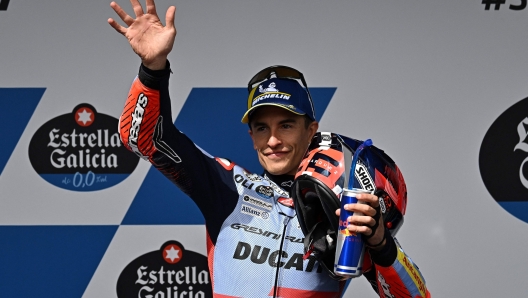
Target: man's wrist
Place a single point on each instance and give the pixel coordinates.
(379, 246)
(157, 64)
(387, 253)
(153, 78)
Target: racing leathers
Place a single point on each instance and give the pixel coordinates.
(254, 241)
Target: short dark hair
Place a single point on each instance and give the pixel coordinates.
(307, 121)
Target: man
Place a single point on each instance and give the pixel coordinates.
(254, 242)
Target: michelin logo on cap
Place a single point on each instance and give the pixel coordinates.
(270, 92)
(271, 88)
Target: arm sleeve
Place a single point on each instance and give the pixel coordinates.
(393, 274)
(146, 128)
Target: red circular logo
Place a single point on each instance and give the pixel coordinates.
(172, 253)
(84, 116)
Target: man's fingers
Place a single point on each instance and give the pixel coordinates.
(116, 26)
(359, 229)
(361, 220)
(136, 6)
(121, 13)
(151, 7)
(361, 208)
(368, 198)
(169, 17)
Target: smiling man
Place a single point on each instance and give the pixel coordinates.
(254, 240)
(281, 130)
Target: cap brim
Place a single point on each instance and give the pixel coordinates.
(245, 118)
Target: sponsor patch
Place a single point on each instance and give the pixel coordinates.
(276, 188)
(253, 177)
(264, 191)
(288, 202)
(258, 202)
(243, 181)
(382, 204)
(254, 212)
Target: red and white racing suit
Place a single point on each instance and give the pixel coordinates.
(254, 241)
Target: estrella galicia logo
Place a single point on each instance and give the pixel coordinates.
(168, 272)
(81, 151)
(265, 192)
(4, 4)
(503, 160)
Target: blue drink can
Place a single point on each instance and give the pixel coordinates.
(350, 248)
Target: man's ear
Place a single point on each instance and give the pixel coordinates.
(313, 127)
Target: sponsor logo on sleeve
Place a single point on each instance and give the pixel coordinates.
(137, 119)
(169, 272)
(384, 286)
(81, 151)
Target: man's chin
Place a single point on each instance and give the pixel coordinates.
(278, 169)
(274, 169)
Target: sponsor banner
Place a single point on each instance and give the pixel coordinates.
(81, 151)
(170, 272)
(503, 160)
(141, 245)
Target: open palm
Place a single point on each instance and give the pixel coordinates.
(146, 34)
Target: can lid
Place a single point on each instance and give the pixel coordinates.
(351, 192)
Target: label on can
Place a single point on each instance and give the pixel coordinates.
(350, 247)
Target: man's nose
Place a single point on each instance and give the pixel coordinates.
(274, 141)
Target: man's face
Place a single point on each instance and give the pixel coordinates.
(280, 138)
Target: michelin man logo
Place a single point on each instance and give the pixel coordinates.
(271, 88)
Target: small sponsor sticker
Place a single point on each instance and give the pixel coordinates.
(254, 212)
(258, 202)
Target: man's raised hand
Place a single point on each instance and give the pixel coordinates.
(146, 34)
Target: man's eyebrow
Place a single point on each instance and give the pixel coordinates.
(287, 120)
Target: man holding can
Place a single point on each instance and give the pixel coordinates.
(254, 243)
